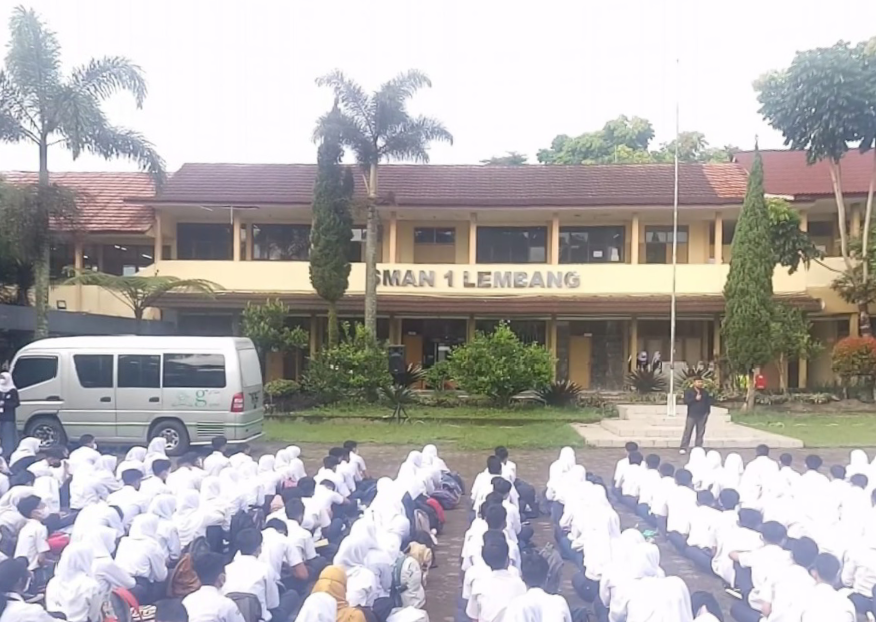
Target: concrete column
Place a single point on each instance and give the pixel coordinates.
(159, 238)
(77, 264)
(552, 335)
(555, 239)
(393, 238)
(235, 235)
(804, 221)
(855, 229)
(634, 341)
(634, 240)
(249, 241)
(473, 238)
(854, 325)
(314, 335)
(803, 373)
(719, 238)
(716, 351)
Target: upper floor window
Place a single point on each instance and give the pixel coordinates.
(126, 259)
(60, 256)
(512, 245)
(434, 245)
(434, 235)
(591, 244)
(281, 242)
(204, 241)
(658, 244)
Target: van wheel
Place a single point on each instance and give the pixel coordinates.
(48, 430)
(176, 435)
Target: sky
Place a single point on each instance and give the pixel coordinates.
(234, 81)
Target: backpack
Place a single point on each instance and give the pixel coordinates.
(447, 498)
(439, 511)
(421, 521)
(555, 568)
(8, 540)
(249, 605)
(453, 482)
(397, 588)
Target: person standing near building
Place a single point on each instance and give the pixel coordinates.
(699, 405)
(9, 402)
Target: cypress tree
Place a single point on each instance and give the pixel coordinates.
(332, 228)
(748, 293)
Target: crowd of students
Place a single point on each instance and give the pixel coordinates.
(221, 538)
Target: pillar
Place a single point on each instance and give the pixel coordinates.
(314, 335)
(802, 374)
(395, 330)
(716, 348)
(855, 229)
(159, 239)
(634, 240)
(634, 341)
(393, 238)
(473, 238)
(250, 242)
(552, 335)
(78, 251)
(719, 238)
(804, 221)
(235, 235)
(554, 258)
(854, 325)
(470, 329)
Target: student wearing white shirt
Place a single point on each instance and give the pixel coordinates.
(765, 565)
(73, 591)
(208, 604)
(649, 481)
(622, 465)
(155, 484)
(54, 464)
(355, 458)
(631, 480)
(824, 603)
(328, 472)
(701, 541)
(524, 491)
(859, 571)
(757, 475)
(32, 540)
(217, 460)
(789, 590)
(281, 554)
(248, 574)
(483, 484)
(302, 541)
(187, 476)
(128, 498)
(536, 605)
(653, 598)
(744, 536)
(523, 533)
(491, 594)
(141, 556)
(660, 496)
(14, 579)
(680, 505)
(86, 452)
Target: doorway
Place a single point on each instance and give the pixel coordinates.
(580, 348)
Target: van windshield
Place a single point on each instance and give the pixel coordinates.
(250, 368)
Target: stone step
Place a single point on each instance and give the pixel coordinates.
(636, 411)
(736, 437)
(631, 430)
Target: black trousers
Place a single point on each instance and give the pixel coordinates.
(587, 589)
(528, 503)
(743, 613)
(692, 423)
(701, 558)
(743, 580)
(862, 604)
(678, 540)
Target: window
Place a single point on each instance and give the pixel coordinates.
(658, 244)
(281, 242)
(95, 371)
(591, 244)
(204, 241)
(60, 256)
(194, 371)
(250, 367)
(139, 371)
(433, 235)
(512, 244)
(357, 245)
(126, 259)
(31, 370)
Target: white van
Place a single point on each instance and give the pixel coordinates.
(129, 389)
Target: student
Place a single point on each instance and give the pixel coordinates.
(660, 497)
(54, 464)
(766, 564)
(789, 590)
(524, 491)
(170, 610)
(631, 480)
(141, 556)
(680, 505)
(758, 473)
(701, 541)
(128, 497)
(856, 507)
(728, 505)
(536, 605)
(248, 574)
(648, 485)
(823, 602)
(859, 570)
(217, 460)
(155, 484)
(32, 542)
(494, 518)
(73, 591)
(483, 483)
(355, 458)
(345, 469)
(332, 582)
(283, 557)
(522, 533)
(744, 536)
(86, 453)
(102, 543)
(164, 507)
(301, 539)
(558, 470)
(731, 474)
(188, 475)
(208, 604)
(491, 594)
(328, 472)
(9, 403)
(653, 598)
(622, 465)
(14, 578)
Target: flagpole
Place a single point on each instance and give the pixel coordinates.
(672, 302)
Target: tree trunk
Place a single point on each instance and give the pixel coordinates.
(752, 391)
(332, 323)
(836, 181)
(780, 363)
(41, 267)
(864, 329)
(868, 218)
(371, 254)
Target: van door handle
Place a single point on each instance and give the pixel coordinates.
(53, 398)
(153, 400)
(106, 399)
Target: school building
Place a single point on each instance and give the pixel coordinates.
(575, 257)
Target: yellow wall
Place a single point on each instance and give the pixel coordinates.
(93, 300)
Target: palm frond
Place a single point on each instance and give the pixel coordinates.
(410, 140)
(350, 95)
(405, 85)
(33, 59)
(103, 77)
(97, 136)
(12, 114)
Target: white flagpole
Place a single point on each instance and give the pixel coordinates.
(672, 312)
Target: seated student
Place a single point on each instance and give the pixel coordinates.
(479, 569)
(483, 484)
(856, 507)
(522, 533)
(86, 453)
(679, 506)
(355, 458)
(744, 536)
(32, 542)
(650, 481)
(170, 610)
(73, 591)
(14, 578)
(705, 607)
(128, 497)
(208, 604)
(491, 594)
(217, 460)
(248, 574)
(525, 491)
(823, 602)
(164, 506)
(621, 466)
(495, 518)
(653, 598)
(812, 484)
(328, 472)
(303, 542)
(631, 481)
(282, 556)
(859, 571)
(155, 485)
(536, 605)
(701, 541)
(728, 518)
(54, 464)
(757, 475)
(141, 556)
(556, 474)
(789, 589)
(660, 496)
(345, 469)
(765, 565)
(188, 474)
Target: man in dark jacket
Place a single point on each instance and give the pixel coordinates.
(699, 405)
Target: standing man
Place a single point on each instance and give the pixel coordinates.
(699, 405)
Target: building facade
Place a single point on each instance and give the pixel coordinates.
(577, 258)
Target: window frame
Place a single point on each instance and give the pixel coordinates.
(262, 251)
(79, 370)
(27, 357)
(166, 364)
(119, 372)
(507, 232)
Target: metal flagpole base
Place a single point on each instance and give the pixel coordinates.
(671, 405)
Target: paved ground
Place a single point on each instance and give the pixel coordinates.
(532, 466)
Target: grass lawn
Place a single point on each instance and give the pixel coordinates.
(819, 430)
(459, 414)
(537, 435)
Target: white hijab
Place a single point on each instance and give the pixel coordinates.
(430, 457)
(411, 467)
(558, 469)
(696, 462)
(73, 581)
(858, 463)
(293, 453)
(710, 471)
(731, 474)
(27, 448)
(98, 515)
(387, 502)
(157, 450)
(6, 382)
(319, 607)
(188, 517)
(133, 460)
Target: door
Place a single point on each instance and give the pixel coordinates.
(138, 394)
(413, 349)
(90, 405)
(579, 360)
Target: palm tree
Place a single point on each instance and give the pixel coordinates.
(140, 292)
(40, 105)
(378, 127)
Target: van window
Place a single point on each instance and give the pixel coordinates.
(250, 367)
(95, 371)
(33, 370)
(139, 371)
(194, 371)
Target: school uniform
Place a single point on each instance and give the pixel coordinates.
(32, 542)
(680, 505)
(736, 538)
(660, 499)
(185, 478)
(19, 611)
(215, 462)
(859, 573)
(630, 484)
(825, 604)
(247, 574)
(767, 565)
(535, 605)
(701, 541)
(648, 487)
(130, 501)
(208, 604)
(491, 594)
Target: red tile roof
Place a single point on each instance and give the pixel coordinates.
(787, 173)
(104, 199)
(467, 186)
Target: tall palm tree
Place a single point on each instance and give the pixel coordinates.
(378, 127)
(41, 106)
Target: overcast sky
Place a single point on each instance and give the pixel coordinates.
(233, 81)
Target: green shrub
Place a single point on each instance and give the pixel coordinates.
(646, 381)
(409, 377)
(357, 368)
(500, 366)
(855, 358)
(561, 393)
(281, 388)
(438, 376)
